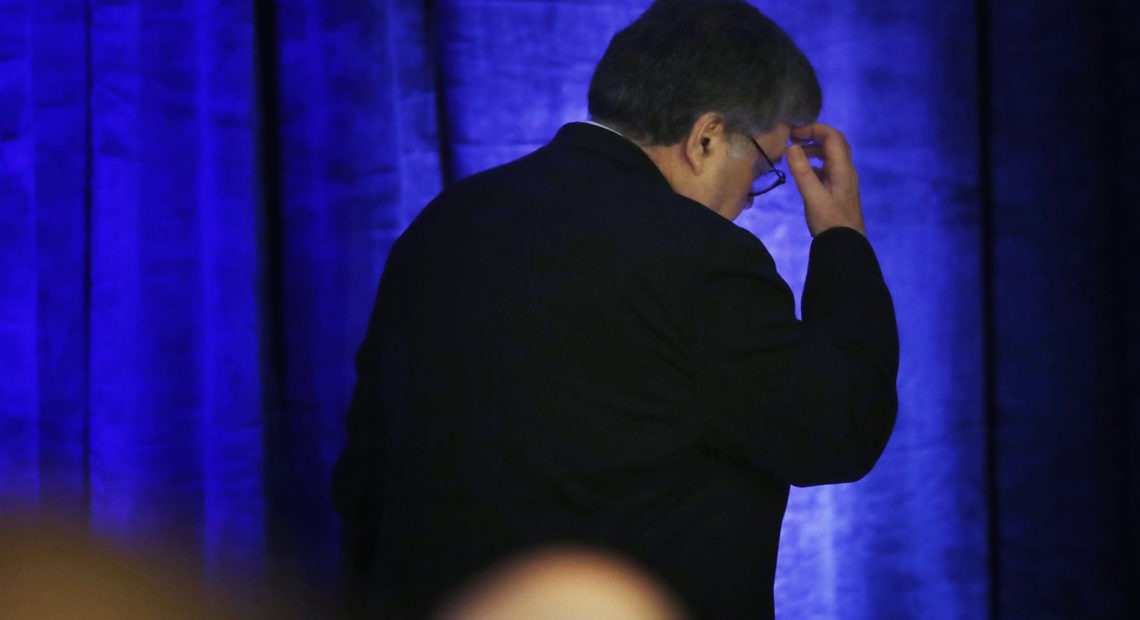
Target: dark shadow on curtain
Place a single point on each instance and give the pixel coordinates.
(1064, 315)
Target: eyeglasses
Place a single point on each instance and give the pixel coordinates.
(769, 179)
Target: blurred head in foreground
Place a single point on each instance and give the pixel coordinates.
(563, 583)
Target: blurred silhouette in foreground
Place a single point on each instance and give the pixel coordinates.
(562, 583)
(58, 571)
(52, 571)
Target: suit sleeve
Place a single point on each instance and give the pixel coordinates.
(807, 402)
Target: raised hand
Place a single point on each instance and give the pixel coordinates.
(831, 191)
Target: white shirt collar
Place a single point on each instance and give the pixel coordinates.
(602, 126)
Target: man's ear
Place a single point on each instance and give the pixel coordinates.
(705, 138)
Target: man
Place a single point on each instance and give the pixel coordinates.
(580, 346)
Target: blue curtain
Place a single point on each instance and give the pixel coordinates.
(130, 319)
(196, 200)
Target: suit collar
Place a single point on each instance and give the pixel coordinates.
(608, 143)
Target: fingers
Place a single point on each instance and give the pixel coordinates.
(817, 132)
(828, 144)
(833, 142)
(798, 162)
(813, 151)
(807, 182)
(831, 192)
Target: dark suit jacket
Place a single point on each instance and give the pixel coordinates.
(564, 350)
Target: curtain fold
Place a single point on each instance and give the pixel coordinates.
(174, 422)
(359, 156)
(192, 228)
(19, 432)
(59, 123)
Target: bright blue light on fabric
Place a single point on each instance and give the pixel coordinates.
(916, 525)
(43, 251)
(18, 284)
(515, 72)
(137, 269)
